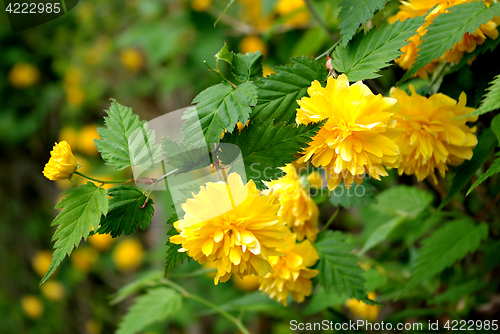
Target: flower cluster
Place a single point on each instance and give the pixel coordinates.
(414, 8)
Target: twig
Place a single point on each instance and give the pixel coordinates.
(332, 218)
(488, 207)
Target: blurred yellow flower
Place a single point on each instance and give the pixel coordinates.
(252, 12)
(432, 134)
(233, 225)
(267, 70)
(52, 290)
(297, 206)
(70, 135)
(253, 44)
(93, 326)
(74, 95)
(362, 310)
(101, 241)
(357, 137)
(62, 162)
(200, 5)
(84, 258)
(23, 75)
(315, 179)
(291, 274)
(128, 254)
(41, 262)
(132, 59)
(73, 76)
(32, 306)
(247, 283)
(86, 139)
(287, 7)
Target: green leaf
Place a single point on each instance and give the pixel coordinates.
(486, 143)
(456, 293)
(491, 100)
(156, 305)
(225, 54)
(247, 66)
(494, 169)
(444, 31)
(278, 93)
(353, 13)
(446, 246)
(265, 147)
(81, 210)
(125, 212)
(218, 108)
(322, 300)
(184, 157)
(144, 281)
(357, 196)
(495, 126)
(338, 267)
(174, 257)
(126, 141)
(381, 233)
(367, 54)
(411, 201)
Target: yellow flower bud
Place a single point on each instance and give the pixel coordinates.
(32, 306)
(53, 290)
(84, 258)
(253, 44)
(41, 262)
(128, 254)
(62, 162)
(101, 241)
(23, 75)
(131, 59)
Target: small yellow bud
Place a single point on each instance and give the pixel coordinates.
(62, 162)
(128, 254)
(32, 306)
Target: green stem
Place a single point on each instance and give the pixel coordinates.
(205, 302)
(318, 18)
(156, 183)
(102, 181)
(332, 218)
(327, 52)
(219, 74)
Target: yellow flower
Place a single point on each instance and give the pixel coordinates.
(356, 137)
(32, 306)
(315, 179)
(247, 283)
(74, 95)
(233, 225)
(287, 7)
(86, 139)
(53, 290)
(432, 136)
(23, 75)
(297, 206)
(128, 254)
(101, 241)
(41, 262)
(290, 272)
(84, 258)
(267, 70)
(131, 59)
(62, 162)
(362, 310)
(252, 12)
(70, 135)
(200, 5)
(253, 44)
(73, 76)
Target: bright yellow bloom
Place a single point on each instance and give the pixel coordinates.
(287, 7)
(233, 225)
(131, 59)
(41, 262)
(62, 162)
(86, 139)
(357, 136)
(32, 306)
(84, 258)
(290, 272)
(253, 44)
(362, 310)
(101, 241)
(297, 206)
(23, 75)
(432, 134)
(128, 254)
(200, 5)
(247, 283)
(53, 290)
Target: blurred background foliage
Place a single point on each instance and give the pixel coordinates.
(56, 81)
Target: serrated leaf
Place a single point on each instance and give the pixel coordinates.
(145, 280)
(126, 141)
(82, 208)
(278, 93)
(156, 305)
(173, 257)
(491, 100)
(125, 212)
(338, 267)
(444, 31)
(225, 54)
(357, 196)
(265, 147)
(184, 157)
(411, 201)
(486, 143)
(218, 108)
(494, 169)
(367, 54)
(353, 13)
(446, 246)
(247, 66)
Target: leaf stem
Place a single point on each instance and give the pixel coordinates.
(205, 302)
(327, 52)
(332, 218)
(219, 74)
(102, 181)
(318, 18)
(156, 183)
